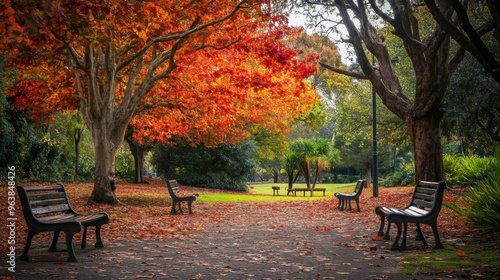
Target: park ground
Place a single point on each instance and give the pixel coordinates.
(255, 236)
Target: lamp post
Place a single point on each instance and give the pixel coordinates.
(394, 61)
(374, 138)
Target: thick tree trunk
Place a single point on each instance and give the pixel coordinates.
(426, 137)
(107, 137)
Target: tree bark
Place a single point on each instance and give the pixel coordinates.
(77, 135)
(104, 177)
(139, 153)
(426, 137)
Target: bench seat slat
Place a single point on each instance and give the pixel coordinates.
(50, 209)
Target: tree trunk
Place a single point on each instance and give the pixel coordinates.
(107, 138)
(276, 176)
(426, 137)
(78, 137)
(369, 177)
(306, 171)
(290, 180)
(139, 153)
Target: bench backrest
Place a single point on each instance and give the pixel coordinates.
(44, 201)
(173, 188)
(359, 187)
(428, 195)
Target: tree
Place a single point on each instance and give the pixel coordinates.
(290, 162)
(221, 167)
(313, 155)
(433, 63)
(128, 58)
(471, 116)
(139, 152)
(461, 28)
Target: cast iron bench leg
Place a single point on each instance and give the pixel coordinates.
(84, 238)
(53, 246)
(24, 255)
(98, 243)
(69, 245)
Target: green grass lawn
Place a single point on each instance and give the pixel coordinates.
(264, 193)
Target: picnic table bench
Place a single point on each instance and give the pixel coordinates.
(424, 208)
(346, 198)
(304, 190)
(47, 208)
(174, 191)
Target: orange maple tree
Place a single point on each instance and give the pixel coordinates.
(208, 71)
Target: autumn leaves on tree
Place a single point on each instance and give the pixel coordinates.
(205, 71)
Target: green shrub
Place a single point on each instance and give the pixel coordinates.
(497, 158)
(451, 168)
(474, 168)
(223, 167)
(404, 176)
(481, 206)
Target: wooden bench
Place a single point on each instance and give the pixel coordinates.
(174, 191)
(276, 190)
(346, 198)
(424, 208)
(310, 190)
(48, 209)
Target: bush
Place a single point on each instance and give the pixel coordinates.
(224, 167)
(404, 176)
(451, 168)
(474, 168)
(481, 205)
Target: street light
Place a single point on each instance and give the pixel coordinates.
(355, 65)
(374, 137)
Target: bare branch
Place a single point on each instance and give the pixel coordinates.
(357, 75)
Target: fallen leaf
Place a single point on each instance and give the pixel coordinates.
(377, 238)
(461, 253)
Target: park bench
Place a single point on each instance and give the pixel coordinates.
(310, 190)
(346, 198)
(174, 191)
(424, 208)
(47, 208)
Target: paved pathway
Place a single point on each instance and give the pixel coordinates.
(268, 242)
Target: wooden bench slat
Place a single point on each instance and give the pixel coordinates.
(40, 196)
(48, 202)
(50, 209)
(423, 203)
(44, 188)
